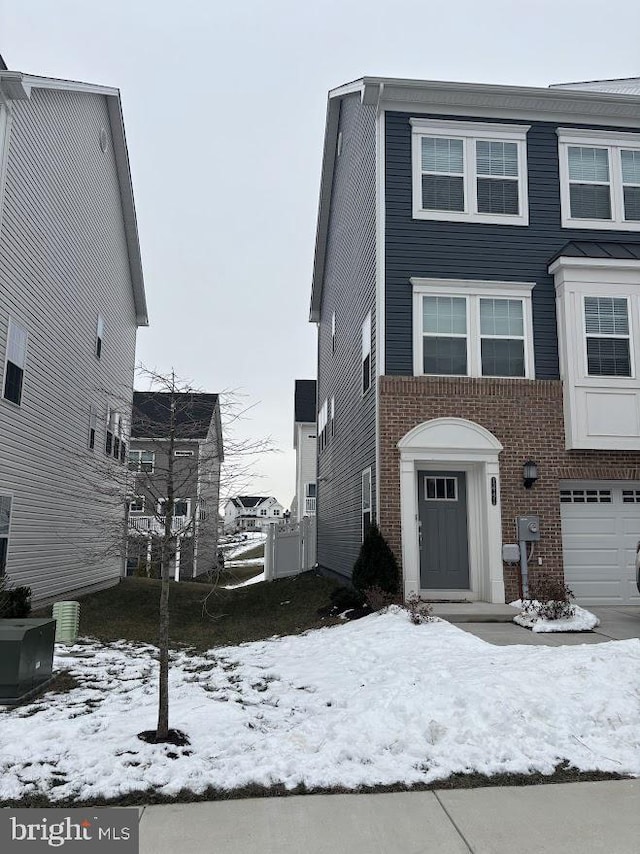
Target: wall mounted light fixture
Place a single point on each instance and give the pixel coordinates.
(529, 473)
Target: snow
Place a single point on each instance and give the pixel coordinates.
(236, 548)
(581, 621)
(374, 701)
(254, 580)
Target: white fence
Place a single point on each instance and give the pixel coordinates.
(290, 549)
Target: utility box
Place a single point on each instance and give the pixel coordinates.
(26, 658)
(511, 553)
(528, 529)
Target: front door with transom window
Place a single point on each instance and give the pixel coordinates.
(444, 545)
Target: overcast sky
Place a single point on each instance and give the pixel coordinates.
(224, 107)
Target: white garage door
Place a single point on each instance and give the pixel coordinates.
(600, 531)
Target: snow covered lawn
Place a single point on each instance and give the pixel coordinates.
(375, 701)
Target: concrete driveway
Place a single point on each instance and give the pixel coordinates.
(617, 622)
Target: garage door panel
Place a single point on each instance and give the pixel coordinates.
(599, 544)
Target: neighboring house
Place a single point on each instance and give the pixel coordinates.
(252, 513)
(305, 444)
(194, 472)
(71, 300)
(477, 292)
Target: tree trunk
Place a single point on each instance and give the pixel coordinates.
(163, 644)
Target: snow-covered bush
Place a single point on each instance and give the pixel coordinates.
(419, 611)
(549, 599)
(377, 598)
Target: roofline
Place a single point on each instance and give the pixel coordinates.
(437, 96)
(17, 86)
(589, 82)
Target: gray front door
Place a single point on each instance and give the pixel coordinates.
(444, 545)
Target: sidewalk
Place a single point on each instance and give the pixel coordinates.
(572, 818)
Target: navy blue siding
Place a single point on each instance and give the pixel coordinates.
(476, 251)
(349, 290)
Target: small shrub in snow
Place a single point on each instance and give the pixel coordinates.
(418, 611)
(376, 565)
(344, 598)
(549, 599)
(377, 598)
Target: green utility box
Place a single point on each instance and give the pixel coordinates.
(26, 658)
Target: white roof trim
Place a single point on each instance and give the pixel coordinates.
(15, 81)
(619, 263)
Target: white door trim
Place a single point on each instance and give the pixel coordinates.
(455, 444)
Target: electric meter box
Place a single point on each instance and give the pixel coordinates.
(528, 529)
(26, 658)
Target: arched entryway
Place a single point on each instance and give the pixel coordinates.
(450, 511)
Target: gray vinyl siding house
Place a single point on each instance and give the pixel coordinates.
(517, 208)
(197, 457)
(69, 255)
(349, 295)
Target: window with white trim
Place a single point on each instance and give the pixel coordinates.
(366, 502)
(366, 353)
(142, 461)
(15, 362)
(183, 453)
(469, 171)
(99, 336)
(333, 332)
(136, 504)
(181, 507)
(608, 343)
(476, 329)
(93, 421)
(5, 518)
(599, 179)
(323, 419)
(332, 413)
(111, 426)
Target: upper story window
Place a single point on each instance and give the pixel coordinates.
(143, 461)
(333, 332)
(323, 418)
(366, 353)
(469, 328)
(181, 507)
(99, 335)
(136, 503)
(93, 421)
(599, 179)
(606, 323)
(15, 362)
(469, 172)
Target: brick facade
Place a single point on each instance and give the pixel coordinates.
(526, 416)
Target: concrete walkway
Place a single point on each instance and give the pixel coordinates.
(572, 818)
(617, 622)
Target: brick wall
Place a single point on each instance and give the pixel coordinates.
(526, 417)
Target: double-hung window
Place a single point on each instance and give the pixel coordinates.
(471, 328)
(599, 179)
(136, 504)
(366, 353)
(15, 362)
(5, 518)
(366, 502)
(469, 172)
(142, 461)
(606, 324)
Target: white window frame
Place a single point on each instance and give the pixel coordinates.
(14, 324)
(366, 506)
(93, 428)
(7, 537)
(139, 452)
(366, 353)
(614, 142)
(183, 453)
(470, 133)
(99, 342)
(142, 501)
(628, 337)
(187, 501)
(332, 416)
(333, 333)
(473, 291)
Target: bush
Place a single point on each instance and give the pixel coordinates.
(549, 599)
(345, 598)
(419, 611)
(15, 602)
(377, 598)
(376, 565)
